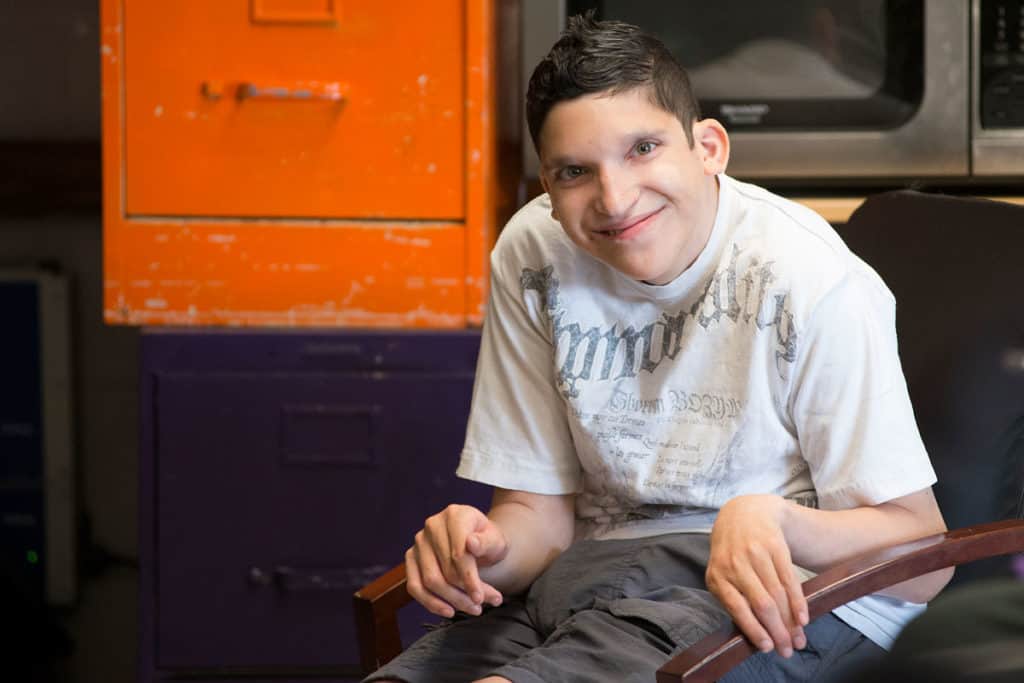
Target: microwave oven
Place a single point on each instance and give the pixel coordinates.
(838, 91)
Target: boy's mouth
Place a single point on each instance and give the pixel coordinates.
(628, 226)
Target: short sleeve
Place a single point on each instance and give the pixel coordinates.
(850, 403)
(518, 434)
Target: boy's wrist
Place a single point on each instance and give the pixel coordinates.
(788, 516)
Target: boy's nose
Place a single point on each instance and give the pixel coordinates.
(617, 193)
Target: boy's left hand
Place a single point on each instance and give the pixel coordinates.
(751, 573)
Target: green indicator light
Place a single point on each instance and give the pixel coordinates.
(32, 556)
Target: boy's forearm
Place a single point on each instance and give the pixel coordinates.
(819, 539)
(536, 535)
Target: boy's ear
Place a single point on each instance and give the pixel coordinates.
(544, 185)
(543, 181)
(712, 142)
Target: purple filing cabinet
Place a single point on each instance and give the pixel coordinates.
(280, 471)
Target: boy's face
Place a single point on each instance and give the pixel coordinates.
(625, 184)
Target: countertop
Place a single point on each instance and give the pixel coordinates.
(838, 209)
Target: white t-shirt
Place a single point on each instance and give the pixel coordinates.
(768, 366)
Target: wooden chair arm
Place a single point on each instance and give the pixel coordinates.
(376, 605)
(376, 608)
(715, 655)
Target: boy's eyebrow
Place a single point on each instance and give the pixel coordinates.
(558, 162)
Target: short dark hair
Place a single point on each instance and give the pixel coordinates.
(608, 57)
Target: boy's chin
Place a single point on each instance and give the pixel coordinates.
(640, 274)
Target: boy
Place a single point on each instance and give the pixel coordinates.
(688, 398)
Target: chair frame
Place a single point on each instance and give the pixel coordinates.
(376, 605)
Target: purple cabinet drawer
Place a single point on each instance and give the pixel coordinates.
(276, 494)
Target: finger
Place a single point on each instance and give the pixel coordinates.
(460, 531)
(435, 535)
(436, 582)
(797, 601)
(488, 545)
(492, 596)
(489, 594)
(743, 616)
(769, 602)
(470, 578)
(414, 584)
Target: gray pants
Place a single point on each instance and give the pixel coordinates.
(615, 611)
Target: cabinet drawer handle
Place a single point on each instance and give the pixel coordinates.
(312, 91)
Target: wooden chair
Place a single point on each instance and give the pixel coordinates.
(377, 605)
(956, 267)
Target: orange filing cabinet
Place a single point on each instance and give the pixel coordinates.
(297, 162)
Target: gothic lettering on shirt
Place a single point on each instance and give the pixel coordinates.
(622, 351)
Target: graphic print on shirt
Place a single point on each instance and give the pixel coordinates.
(656, 447)
(727, 298)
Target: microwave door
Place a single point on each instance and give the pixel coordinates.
(916, 125)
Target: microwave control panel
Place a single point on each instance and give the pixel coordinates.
(1002, 63)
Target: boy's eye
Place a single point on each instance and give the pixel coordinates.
(645, 147)
(571, 172)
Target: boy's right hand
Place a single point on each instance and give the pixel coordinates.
(442, 567)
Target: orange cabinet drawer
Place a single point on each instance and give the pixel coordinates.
(297, 162)
(204, 273)
(295, 108)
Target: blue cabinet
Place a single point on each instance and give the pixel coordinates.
(281, 471)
